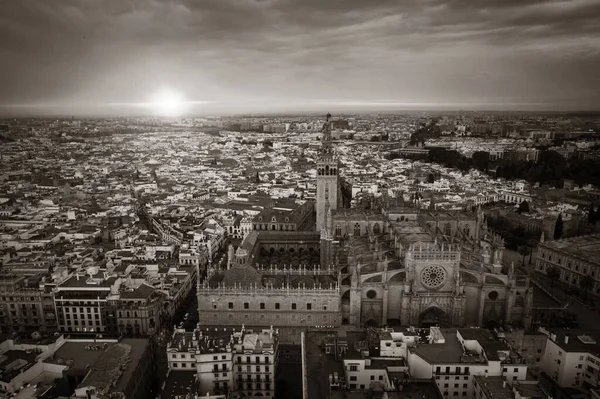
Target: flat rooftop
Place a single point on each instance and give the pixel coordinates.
(102, 359)
(180, 383)
(580, 340)
(78, 353)
(451, 350)
(494, 387)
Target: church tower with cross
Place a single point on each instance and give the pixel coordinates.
(327, 177)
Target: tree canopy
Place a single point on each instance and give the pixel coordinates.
(558, 227)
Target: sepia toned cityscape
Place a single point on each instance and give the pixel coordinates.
(233, 199)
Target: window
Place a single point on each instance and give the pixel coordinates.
(372, 378)
(353, 378)
(246, 305)
(262, 305)
(277, 306)
(293, 306)
(230, 305)
(353, 367)
(308, 306)
(357, 230)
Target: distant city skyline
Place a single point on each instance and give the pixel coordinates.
(228, 57)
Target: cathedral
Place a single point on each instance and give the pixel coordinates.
(391, 264)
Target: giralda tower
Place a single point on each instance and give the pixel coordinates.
(327, 176)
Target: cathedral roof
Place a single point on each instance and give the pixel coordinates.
(244, 276)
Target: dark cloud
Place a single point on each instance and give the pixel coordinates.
(73, 51)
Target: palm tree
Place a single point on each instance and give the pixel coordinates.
(586, 284)
(553, 274)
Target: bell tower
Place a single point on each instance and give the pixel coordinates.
(327, 176)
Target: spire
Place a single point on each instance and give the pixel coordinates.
(326, 140)
(542, 237)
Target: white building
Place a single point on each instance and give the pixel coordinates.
(572, 358)
(461, 354)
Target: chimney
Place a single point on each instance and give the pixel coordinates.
(566, 338)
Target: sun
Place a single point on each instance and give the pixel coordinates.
(168, 103)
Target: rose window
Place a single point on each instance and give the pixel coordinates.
(433, 276)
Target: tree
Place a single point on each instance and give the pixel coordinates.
(481, 160)
(553, 274)
(523, 207)
(586, 284)
(558, 227)
(523, 251)
(592, 215)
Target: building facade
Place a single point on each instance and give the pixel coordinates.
(227, 360)
(576, 258)
(26, 305)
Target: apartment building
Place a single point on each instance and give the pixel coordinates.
(82, 302)
(572, 358)
(26, 304)
(453, 357)
(226, 360)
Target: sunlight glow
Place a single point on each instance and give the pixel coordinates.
(168, 103)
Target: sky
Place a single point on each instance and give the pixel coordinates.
(101, 57)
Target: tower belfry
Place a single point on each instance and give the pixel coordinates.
(327, 176)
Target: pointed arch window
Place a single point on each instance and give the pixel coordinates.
(467, 230)
(326, 192)
(357, 230)
(448, 229)
(338, 230)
